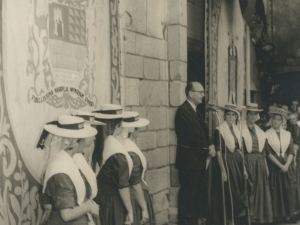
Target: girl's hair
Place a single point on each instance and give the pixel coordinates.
(98, 150)
(103, 133)
(278, 115)
(226, 111)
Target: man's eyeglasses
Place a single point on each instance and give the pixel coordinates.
(201, 92)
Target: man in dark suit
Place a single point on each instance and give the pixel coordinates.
(194, 146)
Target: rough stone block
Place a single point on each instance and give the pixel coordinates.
(177, 43)
(151, 47)
(172, 112)
(158, 179)
(129, 42)
(147, 140)
(162, 218)
(154, 93)
(132, 91)
(151, 68)
(156, 17)
(158, 117)
(174, 176)
(141, 110)
(173, 212)
(174, 196)
(157, 158)
(163, 138)
(160, 201)
(163, 70)
(137, 13)
(178, 70)
(172, 137)
(134, 66)
(177, 93)
(172, 153)
(177, 12)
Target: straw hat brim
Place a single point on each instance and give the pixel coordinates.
(61, 132)
(254, 110)
(278, 113)
(108, 116)
(229, 109)
(140, 123)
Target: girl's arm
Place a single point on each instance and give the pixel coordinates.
(79, 211)
(275, 161)
(125, 196)
(138, 192)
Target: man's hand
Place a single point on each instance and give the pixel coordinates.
(212, 151)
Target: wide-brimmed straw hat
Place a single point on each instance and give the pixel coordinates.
(89, 118)
(108, 112)
(253, 107)
(132, 119)
(71, 127)
(231, 107)
(279, 111)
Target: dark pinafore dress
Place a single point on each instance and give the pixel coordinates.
(282, 185)
(114, 175)
(136, 178)
(61, 194)
(235, 185)
(259, 196)
(295, 131)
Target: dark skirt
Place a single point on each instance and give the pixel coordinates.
(236, 181)
(112, 209)
(235, 195)
(283, 192)
(297, 184)
(137, 212)
(259, 196)
(149, 207)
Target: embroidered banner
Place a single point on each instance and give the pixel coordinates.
(56, 59)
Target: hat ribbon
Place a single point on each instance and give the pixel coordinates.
(114, 111)
(87, 117)
(74, 126)
(131, 119)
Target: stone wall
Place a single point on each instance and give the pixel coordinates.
(154, 64)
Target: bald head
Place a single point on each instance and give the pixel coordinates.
(194, 92)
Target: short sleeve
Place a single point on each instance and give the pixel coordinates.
(62, 191)
(45, 199)
(136, 174)
(120, 170)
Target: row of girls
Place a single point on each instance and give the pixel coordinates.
(254, 175)
(95, 174)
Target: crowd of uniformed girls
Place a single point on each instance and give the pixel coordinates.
(95, 172)
(255, 176)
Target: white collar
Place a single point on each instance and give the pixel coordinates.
(193, 105)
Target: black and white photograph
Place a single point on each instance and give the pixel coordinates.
(149, 112)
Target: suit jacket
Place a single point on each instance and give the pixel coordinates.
(192, 138)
